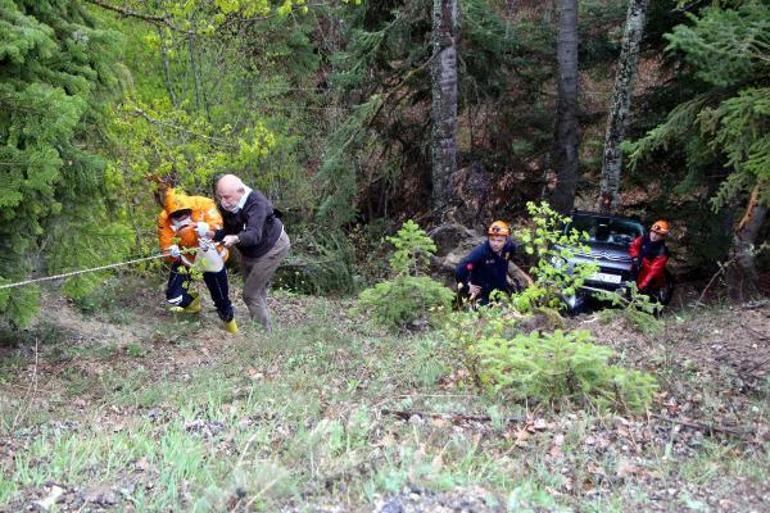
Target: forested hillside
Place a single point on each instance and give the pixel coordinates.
(383, 139)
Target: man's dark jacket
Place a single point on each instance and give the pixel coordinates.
(256, 225)
(487, 269)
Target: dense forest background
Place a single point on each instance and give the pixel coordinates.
(390, 133)
(331, 108)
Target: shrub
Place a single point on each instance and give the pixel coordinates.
(318, 265)
(408, 297)
(551, 248)
(636, 308)
(544, 367)
(405, 300)
(505, 351)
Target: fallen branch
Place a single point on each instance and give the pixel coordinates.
(722, 269)
(753, 305)
(708, 428)
(452, 417)
(123, 11)
(757, 334)
(755, 366)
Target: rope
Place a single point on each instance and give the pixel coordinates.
(100, 268)
(82, 271)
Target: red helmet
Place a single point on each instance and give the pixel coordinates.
(660, 227)
(499, 228)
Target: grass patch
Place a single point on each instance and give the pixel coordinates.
(178, 422)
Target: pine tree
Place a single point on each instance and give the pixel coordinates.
(727, 124)
(55, 78)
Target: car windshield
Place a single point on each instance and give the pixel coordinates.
(607, 230)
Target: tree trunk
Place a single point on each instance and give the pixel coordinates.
(194, 70)
(742, 277)
(566, 145)
(620, 108)
(444, 110)
(166, 71)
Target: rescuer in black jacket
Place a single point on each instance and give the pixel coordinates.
(486, 267)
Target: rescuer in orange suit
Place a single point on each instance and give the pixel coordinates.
(182, 223)
(650, 256)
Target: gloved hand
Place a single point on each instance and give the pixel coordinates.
(202, 229)
(174, 251)
(229, 240)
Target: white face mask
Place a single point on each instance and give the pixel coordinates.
(181, 223)
(233, 209)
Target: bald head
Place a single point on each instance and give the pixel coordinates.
(230, 190)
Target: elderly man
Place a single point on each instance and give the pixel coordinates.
(250, 224)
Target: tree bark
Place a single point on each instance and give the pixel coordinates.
(742, 276)
(620, 108)
(567, 137)
(444, 109)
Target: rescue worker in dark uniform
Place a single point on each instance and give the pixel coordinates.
(650, 256)
(486, 267)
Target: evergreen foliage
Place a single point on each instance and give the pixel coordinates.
(637, 308)
(413, 250)
(727, 124)
(555, 366)
(409, 296)
(325, 107)
(318, 265)
(381, 147)
(338, 175)
(543, 366)
(56, 78)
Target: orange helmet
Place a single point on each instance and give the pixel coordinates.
(661, 227)
(499, 228)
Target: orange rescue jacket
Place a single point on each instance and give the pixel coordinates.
(202, 209)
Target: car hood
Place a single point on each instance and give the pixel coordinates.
(601, 251)
(609, 252)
